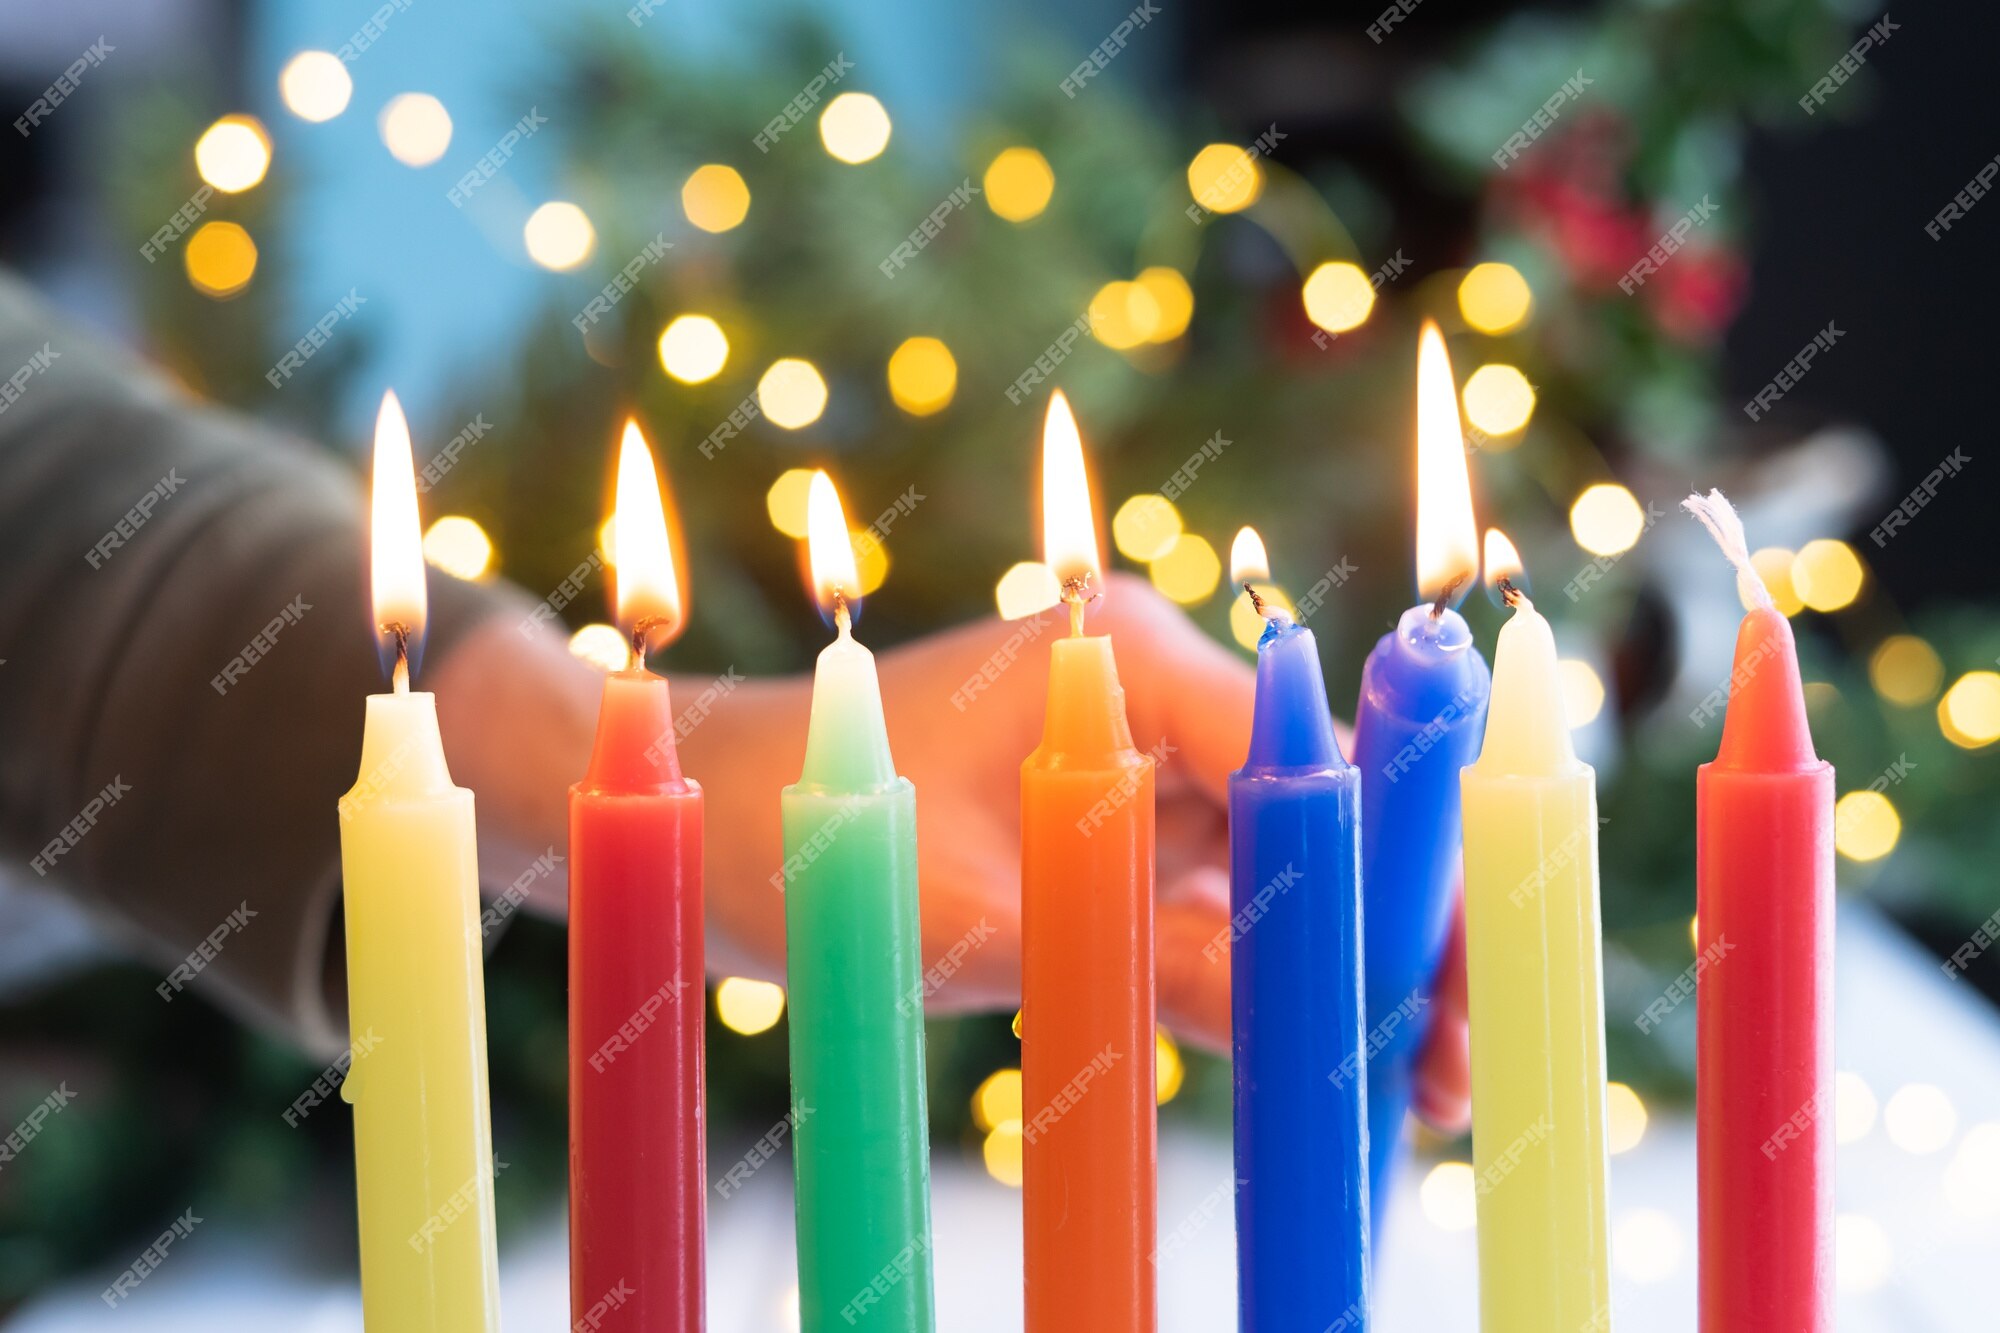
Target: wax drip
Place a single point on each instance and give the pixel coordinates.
(1723, 524)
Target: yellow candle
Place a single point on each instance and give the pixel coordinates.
(423, 1144)
(1536, 992)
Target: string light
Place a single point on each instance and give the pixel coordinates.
(854, 127)
(1774, 565)
(416, 128)
(1172, 298)
(559, 235)
(1018, 184)
(221, 259)
(715, 197)
(1494, 298)
(923, 376)
(1189, 572)
(605, 647)
(1969, 713)
(233, 154)
(1827, 574)
(791, 393)
(1338, 296)
(1905, 670)
(1225, 178)
(1607, 519)
(315, 85)
(786, 501)
(458, 546)
(693, 349)
(1027, 589)
(1145, 527)
(1498, 399)
(1865, 826)
(748, 1007)
(1582, 691)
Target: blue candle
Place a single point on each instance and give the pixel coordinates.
(1295, 1003)
(1422, 711)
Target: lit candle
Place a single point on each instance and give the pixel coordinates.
(637, 1180)
(853, 971)
(1764, 1140)
(423, 1144)
(1087, 999)
(1295, 994)
(1535, 988)
(1423, 695)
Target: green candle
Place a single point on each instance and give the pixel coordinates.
(862, 1152)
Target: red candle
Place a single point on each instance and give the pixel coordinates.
(637, 1174)
(1764, 1106)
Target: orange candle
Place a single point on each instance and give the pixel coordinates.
(1087, 1020)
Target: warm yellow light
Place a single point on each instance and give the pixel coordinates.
(1582, 691)
(786, 501)
(1607, 519)
(829, 547)
(1969, 713)
(1145, 527)
(602, 646)
(998, 1099)
(395, 533)
(1002, 1153)
(1338, 296)
(1646, 1246)
(791, 393)
(1173, 300)
(1447, 537)
(1865, 826)
(693, 349)
(715, 197)
(854, 128)
(233, 154)
(559, 235)
(458, 546)
(1905, 670)
(1448, 1198)
(1625, 1118)
(1854, 1107)
(1863, 1259)
(747, 1006)
(1246, 626)
(1069, 529)
(1827, 574)
(416, 128)
(1189, 572)
(1498, 399)
(1169, 1071)
(1501, 560)
(1018, 184)
(1774, 565)
(1225, 178)
(1249, 561)
(649, 596)
(1972, 1182)
(1028, 589)
(1494, 298)
(1123, 315)
(871, 560)
(1920, 1118)
(221, 259)
(315, 85)
(923, 376)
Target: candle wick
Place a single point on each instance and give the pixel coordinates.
(1076, 591)
(401, 676)
(1274, 614)
(1510, 594)
(1445, 595)
(843, 619)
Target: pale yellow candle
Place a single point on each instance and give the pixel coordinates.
(423, 1143)
(1536, 989)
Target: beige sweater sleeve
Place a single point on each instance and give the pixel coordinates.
(186, 649)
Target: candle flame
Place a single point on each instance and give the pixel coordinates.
(1069, 531)
(1506, 576)
(1248, 560)
(648, 601)
(835, 582)
(1447, 537)
(396, 543)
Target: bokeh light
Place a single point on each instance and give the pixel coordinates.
(1862, 1257)
(1625, 1118)
(220, 258)
(1494, 298)
(1019, 184)
(1646, 1245)
(458, 546)
(854, 127)
(559, 235)
(1029, 588)
(315, 85)
(416, 128)
(715, 197)
(1169, 1071)
(1225, 178)
(1145, 527)
(1854, 1107)
(605, 647)
(786, 501)
(1607, 519)
(1190, 570)
(1774, 565)
(997, 1099)
(1123, 315)
(1338, 296)
(1972, 1183)
(1827, 574)
(791, 393)
(1865, 826)
(871, 561)
(1447, 1197)
(923, 376)
(1582, 691)
(1905, 670)
(233, 154)
(1498, 399)
(1920, 1118)
(1969, 713)
(1245, 625)
(747, 1006)
(1173, 299)
(693, 349)
(1002, 1153)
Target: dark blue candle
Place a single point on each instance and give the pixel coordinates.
(1296, 1006)
(1422, 711)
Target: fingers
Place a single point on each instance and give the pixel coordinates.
(1181, 686)
(1191, 962)
(1444, 1066)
